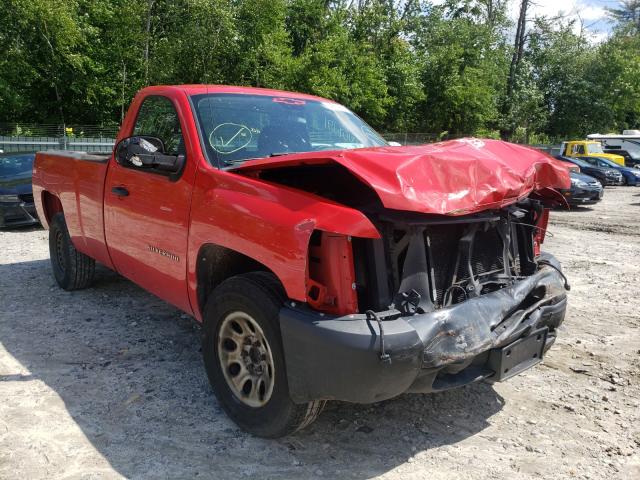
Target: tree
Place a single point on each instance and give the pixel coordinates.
(516, 57)
(627, 14)
(463, 66)
(458, 67)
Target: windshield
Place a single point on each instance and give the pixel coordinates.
(238, 127)
(608, 163)
(16, 165)
(580, 163)
(594, 148)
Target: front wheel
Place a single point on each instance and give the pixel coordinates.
(72, 269)
(244, 358)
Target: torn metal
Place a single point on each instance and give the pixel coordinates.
(456, 177)
(430, 351)
(448, 301)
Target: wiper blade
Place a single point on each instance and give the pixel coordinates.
(279, 154)
(243, 160)
(237, 161)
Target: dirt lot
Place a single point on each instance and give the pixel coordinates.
(109, 383)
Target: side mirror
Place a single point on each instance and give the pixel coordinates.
(147, 152)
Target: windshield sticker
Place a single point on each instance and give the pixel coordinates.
(288, 101)
(228, 138)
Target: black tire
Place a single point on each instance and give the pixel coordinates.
(71, 269)
(260, 296)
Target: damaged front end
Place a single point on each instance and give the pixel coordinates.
(443, 302)
(455, 289)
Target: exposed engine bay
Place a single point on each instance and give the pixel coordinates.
(454, 288)
(421, 262)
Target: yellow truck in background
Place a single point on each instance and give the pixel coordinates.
(588, 148)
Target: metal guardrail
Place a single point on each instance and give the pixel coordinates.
(16, 144)
(30, 137)
(97, 139)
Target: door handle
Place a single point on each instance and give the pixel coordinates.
(120, 191)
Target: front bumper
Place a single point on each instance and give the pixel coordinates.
(584, 195)
(614, 181)
(16, 214)
(339, 357)
(633, 181)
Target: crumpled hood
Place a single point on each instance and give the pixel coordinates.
(452, 178)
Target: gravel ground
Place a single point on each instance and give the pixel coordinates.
(108, 383)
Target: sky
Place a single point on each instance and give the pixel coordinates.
(589, 13)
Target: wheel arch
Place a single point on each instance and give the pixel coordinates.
(216, 263)
(51, 205)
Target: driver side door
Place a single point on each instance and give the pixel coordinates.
(146, 211)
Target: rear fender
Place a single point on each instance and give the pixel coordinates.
(51, 205)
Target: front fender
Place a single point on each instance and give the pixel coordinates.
(269, 223)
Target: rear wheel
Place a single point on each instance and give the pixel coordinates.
(244, 358)
(72, 269)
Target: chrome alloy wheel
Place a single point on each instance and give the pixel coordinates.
(245, 359)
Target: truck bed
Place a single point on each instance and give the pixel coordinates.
(77, 179)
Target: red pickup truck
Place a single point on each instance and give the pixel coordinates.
(323, 263)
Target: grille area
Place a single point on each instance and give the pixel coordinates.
(451, 260)
(422, 263)
(462, 260)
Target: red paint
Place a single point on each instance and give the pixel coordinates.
(457, 177)
(541, 223)
(154, 217)
(270, 223)
(51, 205)
(78, 186)
(331, 275)
(266, 222)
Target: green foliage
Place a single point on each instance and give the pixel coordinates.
(402, 65)
(463, 67)
(627, 15)
(586, 88)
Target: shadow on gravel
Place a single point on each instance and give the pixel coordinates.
(129, 371)
(573, 208)
(580, 208)
(22, 229)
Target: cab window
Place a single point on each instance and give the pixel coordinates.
(157, 117)
(579, 149)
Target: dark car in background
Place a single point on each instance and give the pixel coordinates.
(584, 190)
(631, 175)
(630, 160)
(606, 176)
(16, 196)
